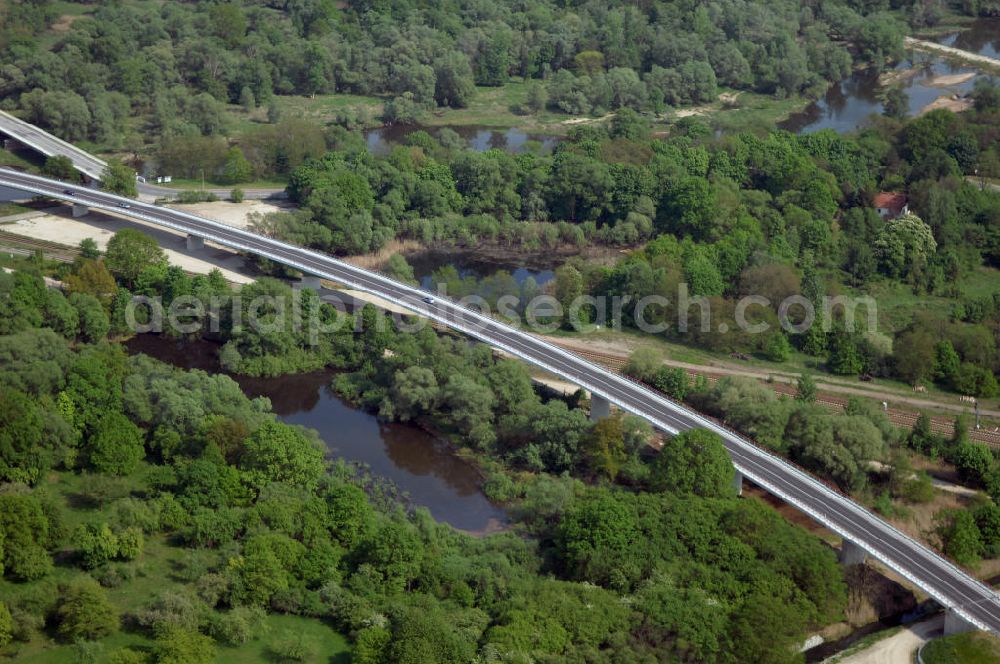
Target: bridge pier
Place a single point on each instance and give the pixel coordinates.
(80, 210)
(738, 482)
(852, 554)
(195, 243)
(309, 281)
(599, 407)
(956, 624)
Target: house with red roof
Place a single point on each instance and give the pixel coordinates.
(891, 204)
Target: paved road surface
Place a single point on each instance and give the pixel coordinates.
(927, 570)
(93, 167)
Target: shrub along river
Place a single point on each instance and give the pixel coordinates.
(418, 463)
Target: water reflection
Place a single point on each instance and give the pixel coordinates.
(468, 264)
(381, 141)
(418, 463)
(848, 106)
(983, 38)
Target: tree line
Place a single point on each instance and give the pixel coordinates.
(175, 65)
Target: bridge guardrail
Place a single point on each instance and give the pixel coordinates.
(732, 436)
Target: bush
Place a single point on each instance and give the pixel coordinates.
(973, 461)
(919, 489)
(294, 647)
(239, 625)
(127, 656)
(115, 574)
(195, 196)
(177, 645)
(643, 364)
(85, 612)
(236, 195)
(500, 488)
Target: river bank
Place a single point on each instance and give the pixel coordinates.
(424, 467)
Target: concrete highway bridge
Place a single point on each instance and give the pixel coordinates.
(969, 603)
(91, 167)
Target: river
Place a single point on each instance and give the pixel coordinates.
(849, 104)
(421, 465)
(982, 37)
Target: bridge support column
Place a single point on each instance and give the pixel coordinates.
(195, 243)
(852, 554)
(956, 624)
(738, 482)
(80, 210)
(599, 407)
(309, 281)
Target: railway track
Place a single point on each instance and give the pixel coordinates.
(901, 418)
(12, 243)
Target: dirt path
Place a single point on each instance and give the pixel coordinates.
(831, 395)
(922, 45)
(777, 377)
(898, 648)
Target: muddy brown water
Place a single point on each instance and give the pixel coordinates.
(421, 465)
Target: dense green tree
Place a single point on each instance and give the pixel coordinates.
(904, 244)
(454, 85)
(806, 389)
(973, 461)
(896, 104)
(61, 168)
(84, 611)
(962, 540)
(92, 277)
(93, 321)
(26, 533)
(281, 453)
(236, 168)
(24, 456)
(178, 645)
(119, 179)
(604, 448)
(695, 462)
(415, 391)
(915, 365)
(643, 363)
(397, 268)
(116, 446)
(131, 252)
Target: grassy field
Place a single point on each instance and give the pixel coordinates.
(185, 183)
(968, 648)
(7, 209)
(752, 111)
(897, 302)
(502, 108)
(328, 646)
